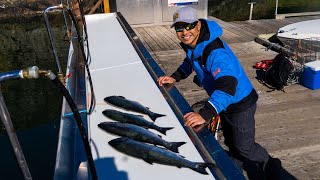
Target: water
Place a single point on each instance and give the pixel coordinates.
(34, 105)
(238, 10)
(39, 146)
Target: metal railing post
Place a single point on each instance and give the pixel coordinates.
(14, 139)
(251, 9)
(276, 11)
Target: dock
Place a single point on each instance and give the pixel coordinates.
(287, 124)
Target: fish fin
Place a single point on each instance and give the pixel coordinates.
(164, 130)
(121, 97)
(148, 161)
(154, 116)
(201, 167)
(145, 158)
(146, 128)
(174, 146)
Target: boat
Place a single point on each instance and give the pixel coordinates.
(305, 30)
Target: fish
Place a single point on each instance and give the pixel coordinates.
(138, 133)
(127, 104)
(153, 154)
(134, 119)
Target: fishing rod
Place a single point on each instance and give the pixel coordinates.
(34, 73)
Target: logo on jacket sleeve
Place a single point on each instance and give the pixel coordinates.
(216, 72)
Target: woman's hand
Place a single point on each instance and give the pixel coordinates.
(194, 120)
(165, 80)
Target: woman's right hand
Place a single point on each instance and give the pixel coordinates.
(165, 80)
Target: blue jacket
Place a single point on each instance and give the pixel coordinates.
(220, 73)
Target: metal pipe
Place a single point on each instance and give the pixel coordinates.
(13, 138)
(65, 21)
(276, 12)
(251, 9)
(51, 37)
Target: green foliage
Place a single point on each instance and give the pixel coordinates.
(238, 10)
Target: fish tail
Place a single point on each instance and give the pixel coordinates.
(201, 167)
(154, 116)
(174, 146)
(164, 130)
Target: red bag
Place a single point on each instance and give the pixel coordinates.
(264, 64)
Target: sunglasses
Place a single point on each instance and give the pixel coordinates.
(187, 26)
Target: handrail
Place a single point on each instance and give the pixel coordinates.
(65, 19)
(51, 37)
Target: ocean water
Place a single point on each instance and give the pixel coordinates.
(34, 105)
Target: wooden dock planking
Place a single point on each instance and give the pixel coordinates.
(171, 31)
(287, 124)
(261, 27)
(147, 39)
(228, 36)
(243, 36)
(246, 27)
(278, 23)
(169, 40)
(273, 25)
(158, 40)
(147, 46)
